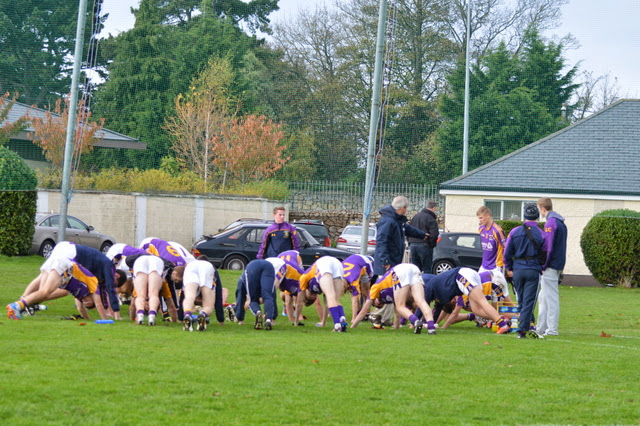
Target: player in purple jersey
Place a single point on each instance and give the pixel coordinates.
(492, 239)
(397, 286)
(164, 250)
(358, 271)
(59, 277)
(147, 277)
(555, 237)
(278, 237)
(325, 277)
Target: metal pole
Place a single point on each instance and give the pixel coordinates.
(373, 123)
(71, 122)
(465, 137)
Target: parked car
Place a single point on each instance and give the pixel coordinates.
(243, 220)
(235, 247)
(46, 234)
(317, 230)
(457, 249)
(352, 235)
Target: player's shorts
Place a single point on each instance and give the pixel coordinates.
(200, 272)
(147, 265)
(58, 264)
(467, 279)
(498, 279)
(64, 249)
(329, 265)
(408, 274)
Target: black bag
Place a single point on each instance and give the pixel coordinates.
(542, 254)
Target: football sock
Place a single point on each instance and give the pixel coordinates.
(153, 313)
(472, 316)
(187, 314)
(341, 311)
(502, 322)
(413, 319)
(431, 325)
(335, 314)
(140, 311)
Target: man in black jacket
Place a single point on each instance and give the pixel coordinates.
(421, 251)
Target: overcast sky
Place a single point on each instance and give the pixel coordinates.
(608, 32)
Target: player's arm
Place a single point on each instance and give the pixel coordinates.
(453, 316)
(362, 313)
(171, 307)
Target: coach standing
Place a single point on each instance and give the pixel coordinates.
(279, 237)
(421, 251)
(521, 256)
(390, 235)
(555, 235)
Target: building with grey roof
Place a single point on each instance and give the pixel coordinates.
(587, 167)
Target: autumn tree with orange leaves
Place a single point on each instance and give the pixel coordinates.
(249, 148)
(50, 132)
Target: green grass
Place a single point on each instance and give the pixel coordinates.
(54, 371)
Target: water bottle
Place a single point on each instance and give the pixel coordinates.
(514, 323)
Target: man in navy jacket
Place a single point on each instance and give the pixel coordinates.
(555, 235)
(391, 231)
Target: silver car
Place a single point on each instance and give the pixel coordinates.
(352, 235)
(46, 235)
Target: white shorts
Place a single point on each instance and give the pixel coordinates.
(64, 249)
(147, 265)
(58, 264)
(329, 265)
(408, 274)
(467, 279)
(200, 272)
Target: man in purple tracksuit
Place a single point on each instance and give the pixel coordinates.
(279, 237)
(555, 235)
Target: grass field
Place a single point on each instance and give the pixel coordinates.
(69, 372)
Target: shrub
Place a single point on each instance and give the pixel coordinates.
(18, 199)
(611, 247)
(270, 188)
(508, 225)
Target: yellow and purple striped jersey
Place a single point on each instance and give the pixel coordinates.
(493, 242)
(383, 288)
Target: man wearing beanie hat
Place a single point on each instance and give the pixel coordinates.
(521, 257)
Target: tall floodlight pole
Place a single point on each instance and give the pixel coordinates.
(71, 122)
(373, 123)
(465, 137)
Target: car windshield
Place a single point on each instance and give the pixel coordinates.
(307, 236)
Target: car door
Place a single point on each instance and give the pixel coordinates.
(252, 241)
(78, 232)
(469, 250)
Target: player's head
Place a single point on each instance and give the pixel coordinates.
(88, 302)
(309, 298)
(484, 216)
(177, 273)
(278, 214)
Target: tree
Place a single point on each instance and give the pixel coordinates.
(594, 94)
(37, 38)
(508, 108)
(50, 132)
(156, 60)
(249, 148)
(200, 116)
(9, 129)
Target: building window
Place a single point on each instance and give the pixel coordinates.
(507, 209)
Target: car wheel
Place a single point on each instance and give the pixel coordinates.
(46, 248)
(442, 266)
(235, 263)
(104, 248)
